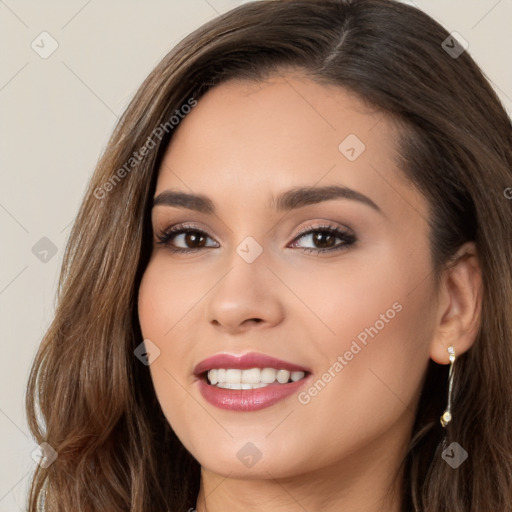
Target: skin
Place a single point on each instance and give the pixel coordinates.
(243, 143)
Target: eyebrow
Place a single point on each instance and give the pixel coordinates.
(286, 201)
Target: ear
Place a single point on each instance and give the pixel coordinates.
(459, 305)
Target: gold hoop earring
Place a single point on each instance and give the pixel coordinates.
(447, 415)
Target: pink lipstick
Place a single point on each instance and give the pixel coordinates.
(248, 382)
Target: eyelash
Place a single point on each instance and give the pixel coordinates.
(349, 239)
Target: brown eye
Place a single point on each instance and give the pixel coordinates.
(189, 237)
(323, 238)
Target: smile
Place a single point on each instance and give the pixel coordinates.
(248, 382)
(254, 378)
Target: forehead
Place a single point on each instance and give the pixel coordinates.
(245, 140)
(282, 112)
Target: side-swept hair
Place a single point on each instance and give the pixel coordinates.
(93, 401)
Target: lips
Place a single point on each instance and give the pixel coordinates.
(245, 362)
(245, 400)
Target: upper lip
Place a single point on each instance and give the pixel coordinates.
(245, 362)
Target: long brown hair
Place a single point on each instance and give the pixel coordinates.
(93, 401)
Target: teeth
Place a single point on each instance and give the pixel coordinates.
(233, 376)
(226, 385)
(295, 376)
(283, 376)
(268, 375)
(251, 376)
(212, 376)
(254, 378)
(260, 385)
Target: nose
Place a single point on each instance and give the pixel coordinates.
(246, 297)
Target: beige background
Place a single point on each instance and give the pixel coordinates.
(56, 116)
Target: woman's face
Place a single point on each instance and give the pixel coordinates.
(357, 319)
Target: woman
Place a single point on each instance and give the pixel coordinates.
(289, 284)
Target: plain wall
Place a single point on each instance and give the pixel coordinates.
(56, 114)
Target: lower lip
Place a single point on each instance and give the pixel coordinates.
(248, 399)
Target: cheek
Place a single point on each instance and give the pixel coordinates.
(169, 295)
(370, 381)
(163, 302)
(375, 356)
(166, 300)
(389, 325)
(377, 297)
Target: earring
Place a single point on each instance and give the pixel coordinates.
(447, 415)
